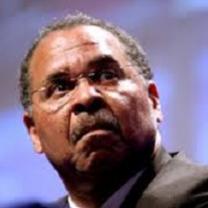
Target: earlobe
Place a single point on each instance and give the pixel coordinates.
(155, 100)
(32, 130)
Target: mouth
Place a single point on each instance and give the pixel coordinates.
(98, 129)
(99, 143)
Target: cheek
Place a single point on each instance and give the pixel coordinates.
(128, 98)
(53, 133)
(129, 102)
(125, 89)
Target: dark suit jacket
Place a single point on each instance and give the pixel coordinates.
(169, 181)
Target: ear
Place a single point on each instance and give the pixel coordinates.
(32, 130)
(155, 101)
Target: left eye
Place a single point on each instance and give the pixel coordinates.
(108, 76)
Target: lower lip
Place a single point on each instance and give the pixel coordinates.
(98, 133)
(99, 139)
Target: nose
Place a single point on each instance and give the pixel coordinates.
(88, 98)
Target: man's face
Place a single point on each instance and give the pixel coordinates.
(91, 110)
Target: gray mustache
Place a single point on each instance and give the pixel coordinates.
(102, 119)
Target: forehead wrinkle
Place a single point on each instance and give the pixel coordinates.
(68, 49)
(80, 45)
(64, 43)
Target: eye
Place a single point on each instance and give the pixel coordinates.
(106, 76)
(59, 87)
(63, 85)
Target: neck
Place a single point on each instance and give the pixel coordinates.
(92, 190)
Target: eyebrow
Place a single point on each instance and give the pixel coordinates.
(103, 60)
(55, 76)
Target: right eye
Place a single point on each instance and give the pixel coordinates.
(63, 85)
(59, 87)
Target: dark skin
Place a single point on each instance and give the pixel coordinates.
(98, 122)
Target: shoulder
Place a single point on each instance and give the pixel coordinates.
(178, 181)
(180, 168)
(181, 174)
(192, 179)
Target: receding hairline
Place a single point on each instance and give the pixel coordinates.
(87, 26)
(84, 30)
(84, 42)
(132, 47)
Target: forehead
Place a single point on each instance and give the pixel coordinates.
(71, 50)
(74, 38)
(76, 43)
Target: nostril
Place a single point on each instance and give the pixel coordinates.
(79, 108)
(96, 105)
(92, 106)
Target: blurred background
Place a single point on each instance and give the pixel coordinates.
(174, 34)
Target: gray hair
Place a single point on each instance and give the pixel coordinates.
(133, 50)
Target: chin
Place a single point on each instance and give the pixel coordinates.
(101, 162)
